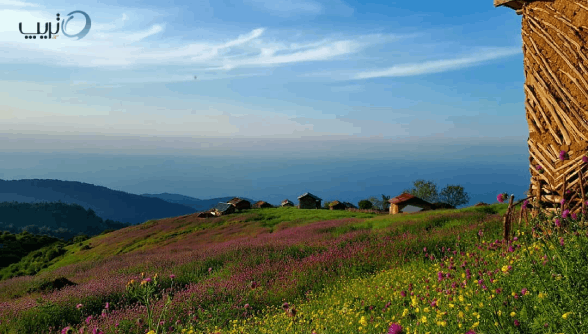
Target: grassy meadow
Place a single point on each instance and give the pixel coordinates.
(285, 270)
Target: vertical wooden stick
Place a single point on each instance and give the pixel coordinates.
(507, 217)
(563, 196)
(583, 195)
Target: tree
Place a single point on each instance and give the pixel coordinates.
(365, 204)
(454, 195)
(380, 204)
(425, 190)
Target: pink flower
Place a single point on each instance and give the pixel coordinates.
(172, 276)
(209, 269)
(107, 305)
(565, 213)
(516, 323)
(574, 216)
(403, 293)
(500, 198)
(540, 169)
(585, 159)
(395, 329)
(524, 291)
(561, 241)
(79, 306)
(67, 330)
(88, 319)
(563, 200)
(557, 223)
(563, 155)
(246, 306)
(147, 280)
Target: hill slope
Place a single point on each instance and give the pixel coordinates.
(107, 203)
(194, 203)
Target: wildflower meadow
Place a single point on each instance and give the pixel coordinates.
(271, 271)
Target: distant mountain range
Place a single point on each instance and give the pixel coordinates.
(194, 203)
(107, 203)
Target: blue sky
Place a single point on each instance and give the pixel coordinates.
(425, 81)
(284, 69)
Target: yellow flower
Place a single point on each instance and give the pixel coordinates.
(460, 314)
(460, 298)
(499, 313)
(566, 315)
(405, 312)
(475, 324)
(424, 319)
(363, 322)
(426, 309)
(512, 314)
(151, 332)
(504, 269)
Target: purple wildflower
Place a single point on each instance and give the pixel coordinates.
(565, 214)
(561, 241)
(395, 329)
(147, 280)
(524, 291)
(88, 319)
(172, 276)
(500, 198)
(107, 305)
(563, 155)
(79, 306)
(574, 216)
(563, 200)
(403, 293)
(470, 332)
(516, 323)
(557, 223)
(67, 330)
(585, 159)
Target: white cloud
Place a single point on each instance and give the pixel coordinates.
(439, 65)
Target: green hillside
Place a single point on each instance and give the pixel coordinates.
(337, 272)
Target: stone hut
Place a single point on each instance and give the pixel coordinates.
(204, 214)
(309, 201)
(223, 209)
(240, 204)
(399, 202)
(287, 202)
(262, 204)
(349, 205)
(555, 62)
(336, 205)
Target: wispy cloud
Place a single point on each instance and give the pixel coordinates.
(439, 65)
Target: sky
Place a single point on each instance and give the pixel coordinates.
(281, 79)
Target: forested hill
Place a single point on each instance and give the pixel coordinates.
(107, 203)
(58, 220)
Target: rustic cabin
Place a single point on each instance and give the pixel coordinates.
(336, 205)
(349, 205)
(223, 209)
(262, 204)
(204, 214)
(240, 204)
(309, 201)
(287, 202)
(400, 202)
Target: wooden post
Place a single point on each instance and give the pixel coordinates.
(583, 195)
(563, 196)
(507, 217)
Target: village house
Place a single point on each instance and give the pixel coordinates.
(309, 201)
(336, 205)
(240, 204)
(223, 209)
(400, 202)
(287, 202)
(349, 205)
(204, 214)
(262, 204)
